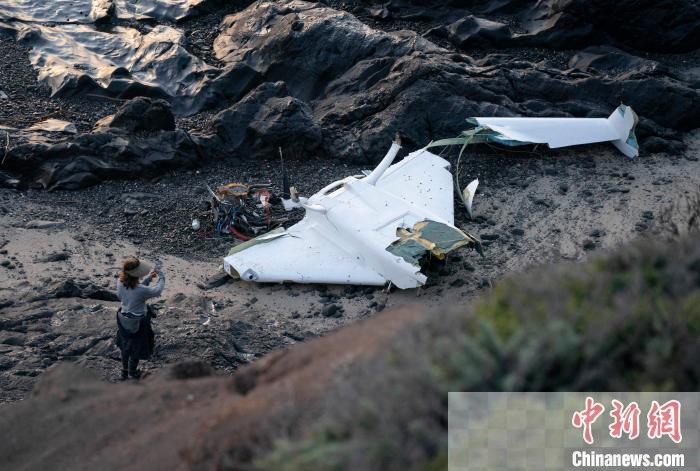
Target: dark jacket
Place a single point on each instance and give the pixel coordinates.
(139, 344)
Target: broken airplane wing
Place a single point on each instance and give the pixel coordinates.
(363, 230)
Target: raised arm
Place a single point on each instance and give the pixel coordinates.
(155, 291)
(120, 289)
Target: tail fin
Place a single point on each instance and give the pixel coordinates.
(624, 120)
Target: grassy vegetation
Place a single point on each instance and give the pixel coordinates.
(622, 322)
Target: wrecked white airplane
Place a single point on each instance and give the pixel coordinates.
(364, 230)
(373, 229)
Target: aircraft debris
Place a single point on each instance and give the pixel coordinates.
(618, 129)
(366, 230)
(245, 211)
(436, 237)
(294, 201)
(467, 195)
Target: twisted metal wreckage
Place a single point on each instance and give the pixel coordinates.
(376, 228)
(244, 211)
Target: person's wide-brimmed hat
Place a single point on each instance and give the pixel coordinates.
(141, 270)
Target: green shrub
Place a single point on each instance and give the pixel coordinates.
(623, 322)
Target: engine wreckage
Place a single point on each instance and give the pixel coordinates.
(244, 211)
(377, 228)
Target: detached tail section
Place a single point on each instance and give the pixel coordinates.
(623, 121)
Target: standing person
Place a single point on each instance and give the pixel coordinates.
(135, 336)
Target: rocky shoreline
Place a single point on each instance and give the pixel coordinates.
(319, 82)
(331, 84)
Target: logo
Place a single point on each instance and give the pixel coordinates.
(663, 420)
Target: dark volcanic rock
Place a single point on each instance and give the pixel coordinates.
(144, 114)
(88, 158)
(649, 25)
(56, 257)
(66, 289)
(266, 119)
(365, 85)
(611, 61)
(318, 81)
(214, 281)
(473, 31)
(347, 71)
(658, 144)
(331, 310)
(79, 289)
(7, 181)
(646, 25)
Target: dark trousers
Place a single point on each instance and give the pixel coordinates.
(130, 364)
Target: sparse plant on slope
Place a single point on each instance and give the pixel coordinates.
(624, 321)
